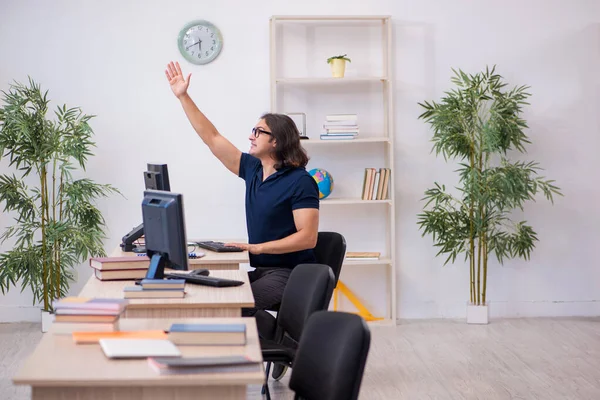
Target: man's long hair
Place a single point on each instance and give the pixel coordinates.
(288, 150)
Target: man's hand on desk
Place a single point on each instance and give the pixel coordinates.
(251, 248)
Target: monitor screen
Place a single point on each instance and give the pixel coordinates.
(156, 177)
(164, 231)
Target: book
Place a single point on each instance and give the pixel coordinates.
(343, 130)
(163, 284)
(74, 302)
(138, 292)
(208, 334)
(86, 318)
(195, 365)
(94, 337)
(361, 254)
(123, 274)
(384, 193)
(337, 137)
(138, 348)
(125, 262)
(83, 311)
(67, 328)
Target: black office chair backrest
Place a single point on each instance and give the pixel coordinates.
(331, 250)
(331, 357)
(309, 289)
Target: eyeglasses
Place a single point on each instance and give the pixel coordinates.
(257, 131)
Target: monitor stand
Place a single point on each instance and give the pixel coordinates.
(157, 267)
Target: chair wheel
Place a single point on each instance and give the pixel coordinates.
(279, 371)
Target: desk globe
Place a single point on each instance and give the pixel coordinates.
(324, 181)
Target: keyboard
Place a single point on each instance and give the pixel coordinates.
(219, 247)
(205, 280)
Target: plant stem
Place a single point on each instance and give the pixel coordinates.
(44, 261)
(485, 263)
(472, 237)
(56, 293)
(60, 217)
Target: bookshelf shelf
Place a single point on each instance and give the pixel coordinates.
(299, 45)
(330, 81)
(335, 201)
(329, 142)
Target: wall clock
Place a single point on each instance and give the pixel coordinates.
(200, 42)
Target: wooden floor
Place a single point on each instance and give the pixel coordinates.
(441, 359)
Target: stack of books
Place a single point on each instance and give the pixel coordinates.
(376, 184)
(116, 268)
(156, 289)
(208, 334)
(340, 127)
(81, 314)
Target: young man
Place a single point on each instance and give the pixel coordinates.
(282, 199)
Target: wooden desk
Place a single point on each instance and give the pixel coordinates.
(59, 369)
(212, 260)
(199, 301)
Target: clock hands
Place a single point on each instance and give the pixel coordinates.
(198, 42)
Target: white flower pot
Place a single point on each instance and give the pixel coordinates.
(338, 67)
(47, 320)
(477, 314)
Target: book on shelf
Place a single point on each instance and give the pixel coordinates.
(375, 184)
(138, 292)
(208, 334)
(362, 255)
(340, 127)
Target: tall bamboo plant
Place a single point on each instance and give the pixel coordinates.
(479, 124)
(57, 225)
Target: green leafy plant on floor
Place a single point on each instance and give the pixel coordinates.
(479, 124)
(57, 225)
(341, 57)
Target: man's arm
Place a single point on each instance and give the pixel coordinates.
(307, 226)
(222, 148)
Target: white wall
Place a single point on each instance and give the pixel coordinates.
(108, 57)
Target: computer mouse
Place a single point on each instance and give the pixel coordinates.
(200, 271)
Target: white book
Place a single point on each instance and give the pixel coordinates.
(138, 348)
(374, 190)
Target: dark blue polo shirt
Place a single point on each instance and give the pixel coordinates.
(269, 207)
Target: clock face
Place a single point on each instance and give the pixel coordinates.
(200, 42)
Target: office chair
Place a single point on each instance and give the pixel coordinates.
(309, 289)
(331, 357)
(329, 250)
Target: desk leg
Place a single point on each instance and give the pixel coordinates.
(183, 312)
(139, 393)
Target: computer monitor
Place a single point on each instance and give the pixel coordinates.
(164, 228)
(156, 177)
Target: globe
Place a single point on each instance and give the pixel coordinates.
(324, 181)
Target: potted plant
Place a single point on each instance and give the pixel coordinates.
(338, 65)
(479, 124)
(57, 225)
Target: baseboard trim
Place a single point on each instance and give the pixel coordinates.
(20, 314)
(501, 309)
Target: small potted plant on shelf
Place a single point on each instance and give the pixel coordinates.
(479, 124)
(57, 224)
(338, 65)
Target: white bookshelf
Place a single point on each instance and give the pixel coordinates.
(303, 85)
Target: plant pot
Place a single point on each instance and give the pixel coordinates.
(338, 67)
(477, 314)
(47, 320)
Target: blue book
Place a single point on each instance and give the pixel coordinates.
(167, 282)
